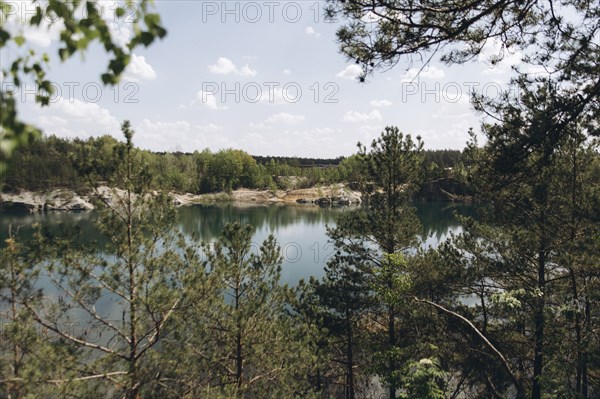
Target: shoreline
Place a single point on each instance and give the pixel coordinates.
(67, 200)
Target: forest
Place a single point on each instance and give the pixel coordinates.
(509, 307)
(509, 304)
(54, 162)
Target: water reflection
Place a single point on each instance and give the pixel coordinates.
(208, 221)
(438, 219)
(300, 230)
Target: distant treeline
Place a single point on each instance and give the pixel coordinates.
(442, 158)
(67, 163)
(299, 162)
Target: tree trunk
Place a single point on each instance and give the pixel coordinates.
(392, 344)
(239, 356)
(585, 357)
(14, 389)
(134, 384)
(577, 326)
(538, 361)
(350, 360)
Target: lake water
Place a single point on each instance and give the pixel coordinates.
(300, 230)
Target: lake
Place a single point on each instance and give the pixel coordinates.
(300, 230)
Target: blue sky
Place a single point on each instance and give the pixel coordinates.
(265, 77)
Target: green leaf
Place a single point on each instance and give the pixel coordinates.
(20, 40)
(4, 37)
(109, 79)
(63, 53)
(146, 38)
(152, 20)
(37, 18)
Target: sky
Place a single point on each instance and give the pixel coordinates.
(266, 77)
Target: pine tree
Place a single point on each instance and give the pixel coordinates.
(249, 344)
(529, 264)
(338, 305)
(114, 304)
(375, 239)
(20, 344)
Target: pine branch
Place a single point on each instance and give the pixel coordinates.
(70, 337)
(487, 342)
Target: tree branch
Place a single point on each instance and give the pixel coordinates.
(487, 342)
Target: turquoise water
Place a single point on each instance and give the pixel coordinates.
(300, 230)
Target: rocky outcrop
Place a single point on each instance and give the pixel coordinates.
(55, 200)
(67, 200)
(337, 194)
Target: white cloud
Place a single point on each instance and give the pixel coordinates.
(368, 132)
(49, 31)
(179, 136)
(312, 32)
(42, 35)
(431, 72)
(277, 96)
(352, 71)
(448, 137)
(83, 110)
(282, 118)
(166, 127)
(139, 69)
(287, 72)
(225, 66)
(120, 33)
(75, 118)
(294, 141)
(52, 122)
(380, 103)
(209, 100)
(247, 71)
(355, 116)
(211, 127)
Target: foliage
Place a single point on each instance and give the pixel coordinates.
(54, 162)
(508, 307)
(425, 380)
(338, 306)
(372, 244)
(82, 23)
(121, 298)
(244, 343)
(559, 38)
(20, 345)
(533, 253)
